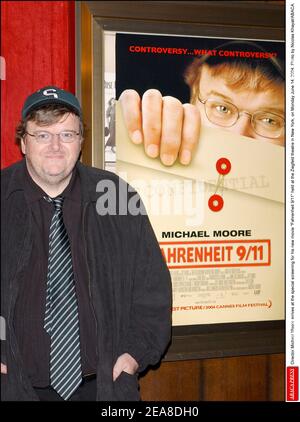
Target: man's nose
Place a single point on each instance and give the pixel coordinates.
(243, 125)
(55, 143)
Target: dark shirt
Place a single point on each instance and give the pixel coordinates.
(33, 340)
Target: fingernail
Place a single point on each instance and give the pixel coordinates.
(152, 150)
(185, 156)
(137, 137)
(167, 159)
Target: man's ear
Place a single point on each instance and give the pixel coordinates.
(194, 94)
(23, 146)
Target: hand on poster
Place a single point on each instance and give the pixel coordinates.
(167, 127)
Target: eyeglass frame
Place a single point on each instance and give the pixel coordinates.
(251, 115)
(54, 134)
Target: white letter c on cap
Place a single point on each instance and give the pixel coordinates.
(50, 91)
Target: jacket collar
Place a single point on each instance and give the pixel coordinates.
(89, 177)
(21, 181)
(88, 180)
(16, 181)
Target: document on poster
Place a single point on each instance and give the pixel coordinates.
(219, 220)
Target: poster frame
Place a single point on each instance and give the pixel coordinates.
(256, 19)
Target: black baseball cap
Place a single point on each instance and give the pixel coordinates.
(50, 95)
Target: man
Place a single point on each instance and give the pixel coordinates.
(86, 294)
(239, 94)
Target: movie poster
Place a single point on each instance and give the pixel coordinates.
(219, 218)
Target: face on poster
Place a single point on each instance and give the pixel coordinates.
(215, 109)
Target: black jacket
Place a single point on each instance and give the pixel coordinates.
(129, 282)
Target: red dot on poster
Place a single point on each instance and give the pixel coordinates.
(215, 203)
(223, 166)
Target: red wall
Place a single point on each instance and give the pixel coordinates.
(38, 45)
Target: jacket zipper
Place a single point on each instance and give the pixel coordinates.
(89, 279)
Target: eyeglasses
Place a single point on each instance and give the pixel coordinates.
(225, 114)
(44, 137)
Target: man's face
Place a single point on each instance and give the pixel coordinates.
(251, 101)
(53, 162)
